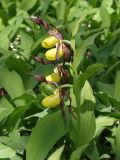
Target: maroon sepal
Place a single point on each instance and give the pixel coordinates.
(55, 33)
(41, 60)
(51, 29)
(1, 92)
(68, 52)
(40, 22)
(40, 78)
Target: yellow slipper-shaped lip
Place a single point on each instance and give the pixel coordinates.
(49, 42)
(51, 54)
(51, 101)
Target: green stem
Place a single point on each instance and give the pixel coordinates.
(67, 42)
(78, 102)
(66, 86)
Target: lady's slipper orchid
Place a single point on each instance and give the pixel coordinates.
(51, 54)
(51, 101)
(54, 77)
(49, 42)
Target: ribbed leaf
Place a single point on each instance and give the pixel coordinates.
(26, 6)
(5, 108)
(83, 129)
(117, 86)
(118, 143)
(103, 122)
(6, 152)
(87, 117)
(57, 154)
(12, 83)
(46, 133)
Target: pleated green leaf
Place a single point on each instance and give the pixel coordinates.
(118, 143)
(12, 83)
(46, 133)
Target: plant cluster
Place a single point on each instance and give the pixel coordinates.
(60, 75)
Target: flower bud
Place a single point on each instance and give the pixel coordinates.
(51, 54)
(40, 78)
(51, 101)
(49, 42)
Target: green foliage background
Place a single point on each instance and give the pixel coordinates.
(27, 130)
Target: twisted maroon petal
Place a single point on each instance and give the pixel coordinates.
(57, 34)
(40, 21)
(41, 60)
(1, 92)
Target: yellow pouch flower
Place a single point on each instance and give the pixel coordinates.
(51, 101)
(51, 54)
(54, 77)
(49, 42)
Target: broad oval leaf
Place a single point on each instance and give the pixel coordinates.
(57, 154)
(5, 108)
(46, 133)
(103, 122)
(6, 152)
(27, 6)
(12, 83)
(117, 143)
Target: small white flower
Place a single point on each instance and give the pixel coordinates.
(89, 25)
(33, 17)
(28, 29)
(18, 36)
(118, 122)
(16, 42)
(83, 24)
(14, 49)
(11, 45)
